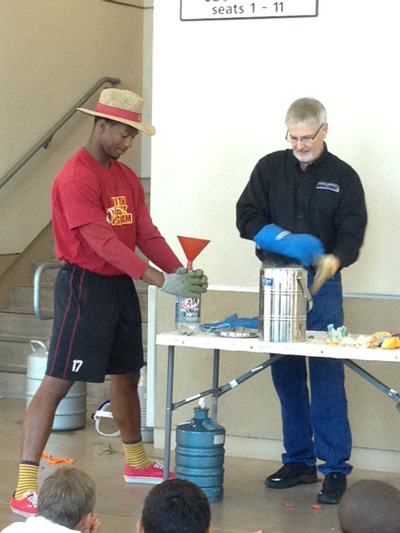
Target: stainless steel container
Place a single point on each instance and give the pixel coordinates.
(284, 303)
(71, 411)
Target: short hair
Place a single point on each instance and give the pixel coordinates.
(174, 506)
(306, 111)
(369, 506)
(109, 120)
(66, 497)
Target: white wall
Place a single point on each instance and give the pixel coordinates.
(51, 53)
(220, 93)
(221, 90)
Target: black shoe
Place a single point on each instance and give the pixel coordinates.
(292, 474)
(335, 484)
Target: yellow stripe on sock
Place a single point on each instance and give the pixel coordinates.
(27, 480)
(135, 455)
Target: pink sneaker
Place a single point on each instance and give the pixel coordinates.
(153, 474)
(25, 507)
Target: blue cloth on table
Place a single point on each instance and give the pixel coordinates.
(231, 322)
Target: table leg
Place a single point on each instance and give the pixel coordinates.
(392, 393)
(168, 412)
(214, 396)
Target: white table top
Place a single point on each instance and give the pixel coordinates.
(312, 348)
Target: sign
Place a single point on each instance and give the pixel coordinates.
(246, 9)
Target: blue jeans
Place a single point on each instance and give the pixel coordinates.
(316, 427)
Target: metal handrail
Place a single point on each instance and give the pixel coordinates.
(46, 139)
(36, 287)
(126, 4)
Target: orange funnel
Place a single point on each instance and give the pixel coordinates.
(192, 247)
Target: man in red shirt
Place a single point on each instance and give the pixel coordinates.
(99, 219)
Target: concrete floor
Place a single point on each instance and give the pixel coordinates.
(247, 505)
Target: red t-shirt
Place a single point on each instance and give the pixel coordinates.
(100, 216)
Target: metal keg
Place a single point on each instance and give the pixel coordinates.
(71, 411)
(284, 303)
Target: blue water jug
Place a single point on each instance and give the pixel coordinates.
(199, 454)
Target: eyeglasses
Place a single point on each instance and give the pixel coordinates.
(302, 140)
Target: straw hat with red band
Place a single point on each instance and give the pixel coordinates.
(121, 106)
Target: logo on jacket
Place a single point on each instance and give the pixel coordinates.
(118, 214)
(328, 186)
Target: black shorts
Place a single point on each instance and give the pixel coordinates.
(97, 327)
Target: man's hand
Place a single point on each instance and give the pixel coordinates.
(326, 267)
(187, 284)
(304, 248)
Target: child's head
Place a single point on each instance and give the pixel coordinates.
(66, 497)
(174, 506)
(369, 506)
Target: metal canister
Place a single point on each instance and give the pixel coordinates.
(284, 303)
(71, 411)
(199, 454)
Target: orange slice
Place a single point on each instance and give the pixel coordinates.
(390, 344)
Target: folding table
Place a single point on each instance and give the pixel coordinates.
(315, 346)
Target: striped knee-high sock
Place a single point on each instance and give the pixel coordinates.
(27, 479)
(135, 455)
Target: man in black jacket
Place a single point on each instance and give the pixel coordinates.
(306, 204)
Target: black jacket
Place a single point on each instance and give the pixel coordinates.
(326, 200)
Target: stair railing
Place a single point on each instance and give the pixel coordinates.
(128, 5)
(46, 139)
(36, 287)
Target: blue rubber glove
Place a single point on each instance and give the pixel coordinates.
(231, 322)
(304, 248)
